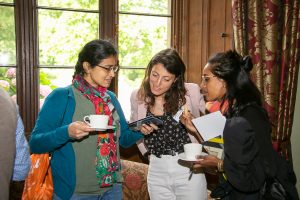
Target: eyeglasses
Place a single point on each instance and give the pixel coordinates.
(109, 68)
(205, 79)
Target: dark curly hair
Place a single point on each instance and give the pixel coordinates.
(175, 96)
(235, 71)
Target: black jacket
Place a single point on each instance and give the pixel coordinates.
(250, 157)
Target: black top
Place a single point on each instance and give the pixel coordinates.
(168, 139)
(249, 155)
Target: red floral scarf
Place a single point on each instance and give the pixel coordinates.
(106, 161)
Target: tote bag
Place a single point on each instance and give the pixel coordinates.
(39, 184)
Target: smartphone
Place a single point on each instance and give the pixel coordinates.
(147, 120)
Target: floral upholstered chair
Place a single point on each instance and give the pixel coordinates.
(135, 180)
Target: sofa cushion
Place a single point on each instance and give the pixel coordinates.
(135, 180)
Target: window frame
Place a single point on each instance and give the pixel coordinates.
(27, 66)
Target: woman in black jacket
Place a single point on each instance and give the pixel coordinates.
(249, 156)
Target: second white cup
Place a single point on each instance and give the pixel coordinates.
(192, 150)
(97, 121)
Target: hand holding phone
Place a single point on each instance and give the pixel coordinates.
(137, 125)
(147, 129)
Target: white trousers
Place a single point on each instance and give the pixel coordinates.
(169, 180)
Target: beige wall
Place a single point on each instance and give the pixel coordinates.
(296, 136)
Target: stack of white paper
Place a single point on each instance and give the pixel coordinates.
(211, 125)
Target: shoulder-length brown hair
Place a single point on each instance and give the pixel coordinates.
(175, 96)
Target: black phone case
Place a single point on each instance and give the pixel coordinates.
(147, 120)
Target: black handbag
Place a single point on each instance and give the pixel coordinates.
(273, 190)
(222, 190)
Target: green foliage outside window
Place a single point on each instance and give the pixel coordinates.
(145, 6)
(140, 37)
(7, 36)
(75, 4)
(61, 35)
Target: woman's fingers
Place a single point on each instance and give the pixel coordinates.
(154, 127)
(147, 129)
(78, 130)
(196, 165)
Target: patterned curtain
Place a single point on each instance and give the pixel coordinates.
(269, 31)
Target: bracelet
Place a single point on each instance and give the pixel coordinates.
(220, 166)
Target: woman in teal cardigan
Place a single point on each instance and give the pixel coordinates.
(85, 163)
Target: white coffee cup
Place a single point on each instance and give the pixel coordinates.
(97, 121)
(192, 150)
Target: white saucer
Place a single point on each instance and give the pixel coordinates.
(183, 157)
(103, 129)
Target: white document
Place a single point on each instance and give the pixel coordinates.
(211, 125)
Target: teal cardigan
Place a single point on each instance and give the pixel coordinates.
(50, 134)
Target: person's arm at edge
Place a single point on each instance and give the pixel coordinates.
(22, 159)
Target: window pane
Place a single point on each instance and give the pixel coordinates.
(145, 6)
(140, 37)
(8, 80)
(62, 34)
(53, 78)
(6, 1)
(7, 36)
(77, 4)
(128, 80)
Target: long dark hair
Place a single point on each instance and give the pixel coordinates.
(93, 53)
(175, 96)
(235, 71)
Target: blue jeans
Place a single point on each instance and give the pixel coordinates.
(114, 193)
